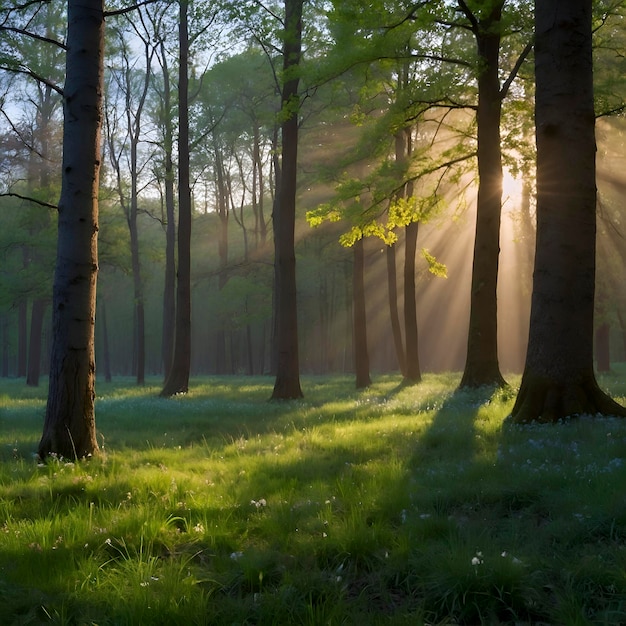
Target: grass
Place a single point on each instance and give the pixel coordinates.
(395, 505)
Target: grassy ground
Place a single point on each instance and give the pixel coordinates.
(390, 506)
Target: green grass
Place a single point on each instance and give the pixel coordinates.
(395, 505)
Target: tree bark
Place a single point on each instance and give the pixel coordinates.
(559, 379)
(361, 353)
(287, 384)
(70, 428)
(177, 380)
(482, 366)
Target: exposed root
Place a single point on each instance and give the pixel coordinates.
(541, 399)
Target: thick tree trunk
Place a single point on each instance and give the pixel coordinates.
(34, 345)
(361, 353)
(177, 380)
(70, 428)
(481, 366)
(287, 384)
(413, 374)
(558, 379)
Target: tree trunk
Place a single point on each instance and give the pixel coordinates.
(140, 335)
(361, 353)
(70, 427)
(177, 380)
(413, 374)
(22, 337)
(34, 345)
(392, 288)
(222, 250)
(481, 366)
(558, 379)
(287, 384)
(169, 285)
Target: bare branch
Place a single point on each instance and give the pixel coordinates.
(46, 205)
(129, 9)
(26, 33)
(34, 75)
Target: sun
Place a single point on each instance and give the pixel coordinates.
(511, 190)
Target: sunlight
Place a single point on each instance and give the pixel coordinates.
(511, 190)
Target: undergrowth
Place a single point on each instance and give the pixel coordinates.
(394, 505)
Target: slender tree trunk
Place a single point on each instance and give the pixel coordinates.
(169, 285)
(361, 353)
(287, 384)
(70, 428)
(222, 250)
(177, 380)
(34, 345)
(413, 374)
(140, 335)
(482, 366)
(392, 287)
(559, 379)
(22, 337)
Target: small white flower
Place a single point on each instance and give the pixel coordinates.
(235, 556)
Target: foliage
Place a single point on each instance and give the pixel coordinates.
(403, 505)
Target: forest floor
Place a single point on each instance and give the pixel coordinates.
(394, 505)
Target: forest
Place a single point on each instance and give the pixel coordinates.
(342, 285)
(310, 188)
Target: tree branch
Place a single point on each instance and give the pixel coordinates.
(37, 77)
(469, 15)
(129, 9)
(518, 64)
(26, 33)
(42, 203)
(410, 15)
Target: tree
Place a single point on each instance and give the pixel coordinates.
(70, 428)
(287, 384)
(124, 117)
(177, 380)
(559, 379)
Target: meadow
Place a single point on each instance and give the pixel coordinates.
(394, 505)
